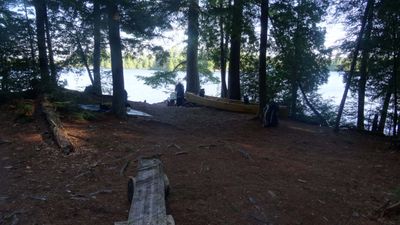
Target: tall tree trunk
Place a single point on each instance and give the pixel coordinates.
(192, 73)
(384, 111)
(234, 56)
(224, 90)
(53, 71)
(31, 38)
(395, 116)
(84, 58)
(40, 8)
(293, 103)
(363, 71)
(368, 10)
(97, 47)
(118, 100)
(262, 70)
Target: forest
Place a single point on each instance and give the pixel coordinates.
(273, 51)
(331, 164)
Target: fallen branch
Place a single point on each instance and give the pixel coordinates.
(58, 132)
(391, 209)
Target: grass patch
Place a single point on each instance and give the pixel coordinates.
(24, 111)
(396, 193)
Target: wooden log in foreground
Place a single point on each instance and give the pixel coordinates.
(57, 130)
(149, 189)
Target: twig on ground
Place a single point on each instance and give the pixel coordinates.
(207, 146)
(104, 191)
(4, 141)
(181, 153)
(78, 137)
(175, 146)
(82, 174)
(123, 169)
(38, 197)
(83, 197)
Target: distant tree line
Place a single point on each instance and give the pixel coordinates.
(264, 49)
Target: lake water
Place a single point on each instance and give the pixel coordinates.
(138, 91)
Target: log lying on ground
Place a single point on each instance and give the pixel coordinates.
(147, 192)
(57, 130)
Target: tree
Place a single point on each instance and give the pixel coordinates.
(363, 70)
(118, 100)
(53, 71)
(40, 8)
(262, 72)
(215, 36)
(353, 63)
(97, 47)
(301, 57)
(234, 56)
(192, 73)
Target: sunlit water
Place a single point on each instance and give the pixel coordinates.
(138, 91)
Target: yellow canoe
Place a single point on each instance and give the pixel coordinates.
(222, 103)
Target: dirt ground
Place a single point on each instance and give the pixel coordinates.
(224, 168)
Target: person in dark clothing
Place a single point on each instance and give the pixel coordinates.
(202, 92)
(125, 95)
(246, 99)
(270, 115)
(180, 94)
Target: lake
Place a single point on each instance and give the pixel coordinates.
(138, 91)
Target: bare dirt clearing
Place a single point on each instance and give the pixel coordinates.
(224, 168)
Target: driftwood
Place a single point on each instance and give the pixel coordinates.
(57, 130)
(147, 193)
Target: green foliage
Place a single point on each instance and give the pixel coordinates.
(396, 193)
(24, 110)
(160, 79)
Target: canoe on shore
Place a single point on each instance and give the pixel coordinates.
(222, 103)
(230, 104)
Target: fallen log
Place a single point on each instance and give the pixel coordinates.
(147, 193)
(56, 128)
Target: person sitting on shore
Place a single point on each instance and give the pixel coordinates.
(180, 94)
(270, 115)
(202, 92)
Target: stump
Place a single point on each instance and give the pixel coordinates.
(147, 194)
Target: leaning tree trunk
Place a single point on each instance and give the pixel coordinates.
(224, 90)
(83, 57)
(234, 56)
(97, 47)
(118, 100)
(384, 111)
(40, 8)
(368, 10)
(322, 120)
(262, 70)
(53, 71)
(192, 73)
(363, 73)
